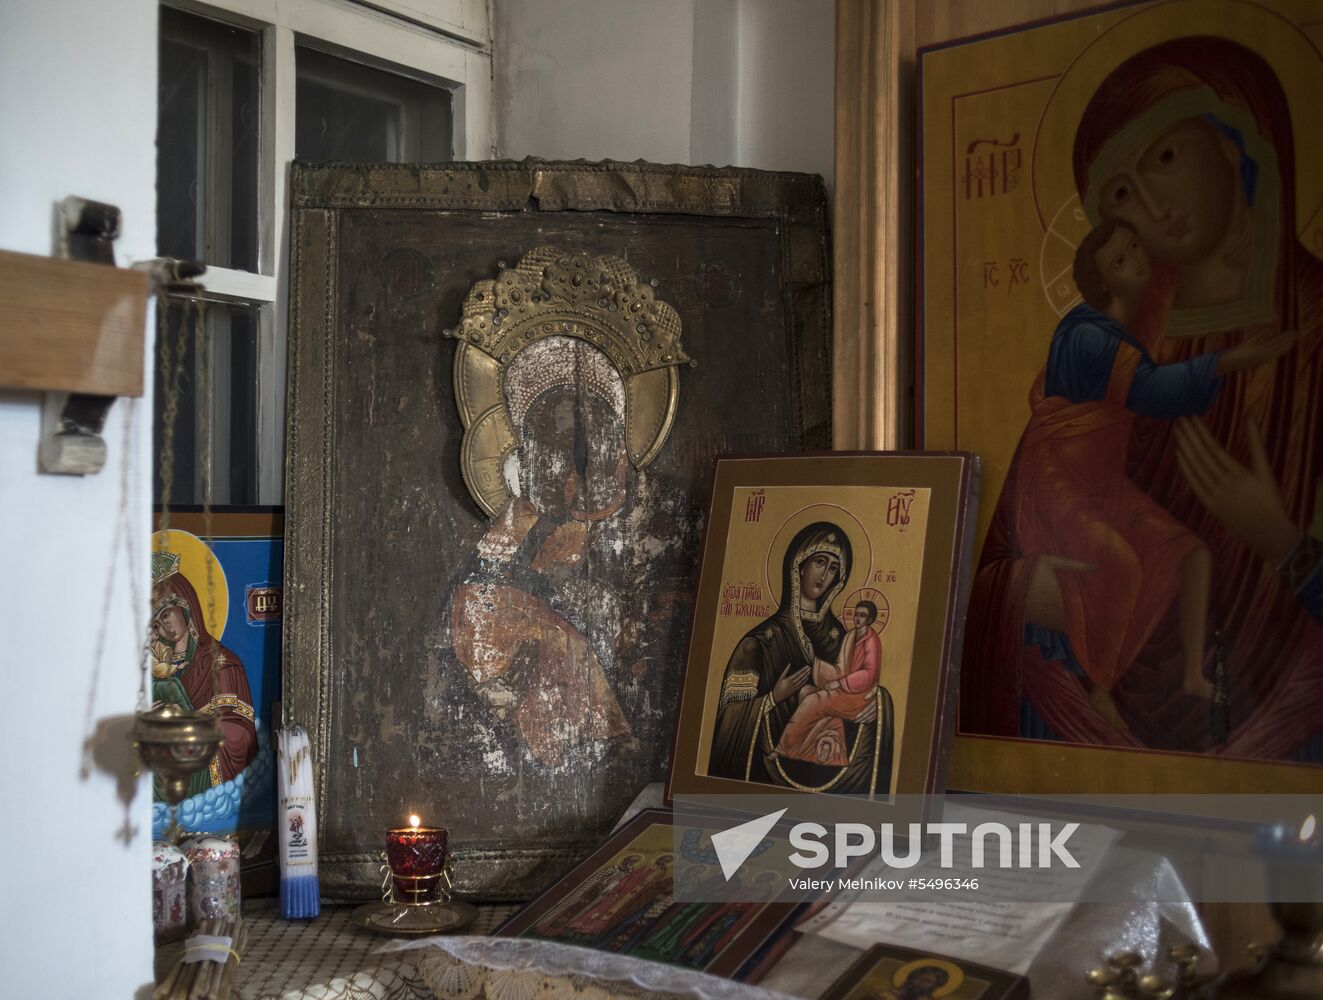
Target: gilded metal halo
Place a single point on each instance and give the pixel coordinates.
(559, 293)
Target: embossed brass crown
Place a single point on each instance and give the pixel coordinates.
(558, 293)
(551, 291)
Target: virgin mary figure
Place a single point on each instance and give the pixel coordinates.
(772, 664)
(193, 670)
(1190, 144)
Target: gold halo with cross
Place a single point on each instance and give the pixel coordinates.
(880, 602)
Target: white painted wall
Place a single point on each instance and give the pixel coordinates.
(599, 79)
(731, 82)
(786, 85)
(77, 116)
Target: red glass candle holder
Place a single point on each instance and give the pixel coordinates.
(416, 856)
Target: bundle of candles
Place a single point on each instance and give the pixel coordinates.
(205, 970)
(300, 889)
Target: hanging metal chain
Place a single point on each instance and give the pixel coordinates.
(123, 532)
(206, 399)
(171, 358)
(132, 553)
(172, 368)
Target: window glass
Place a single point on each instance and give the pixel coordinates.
(206, 141)
(354, 113)
(233, 333)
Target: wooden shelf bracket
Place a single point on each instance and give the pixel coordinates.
(71, 422)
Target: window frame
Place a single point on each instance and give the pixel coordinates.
(448, 45)
(361, 82)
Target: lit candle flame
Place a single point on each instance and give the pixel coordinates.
(1308, 827)
(415, 822)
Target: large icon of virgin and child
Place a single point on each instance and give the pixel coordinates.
(1152, 576)
(562, 615)
(1152, 531)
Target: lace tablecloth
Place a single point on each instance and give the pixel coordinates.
(329, 958)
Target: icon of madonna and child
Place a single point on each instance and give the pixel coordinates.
(191, 669)
(1149, 578)
(802, 705)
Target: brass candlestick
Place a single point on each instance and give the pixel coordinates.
(1122, 978)
(420, 889)
(1293, 968)
(1290, 970)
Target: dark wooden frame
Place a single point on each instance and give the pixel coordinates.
(321, 196)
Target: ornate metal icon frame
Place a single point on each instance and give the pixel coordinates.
(327, 199)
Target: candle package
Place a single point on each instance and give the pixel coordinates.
(300, 889)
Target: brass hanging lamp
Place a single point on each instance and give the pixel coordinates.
(173, 742)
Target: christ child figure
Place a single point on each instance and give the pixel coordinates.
(1122, 560)
(839, 691)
